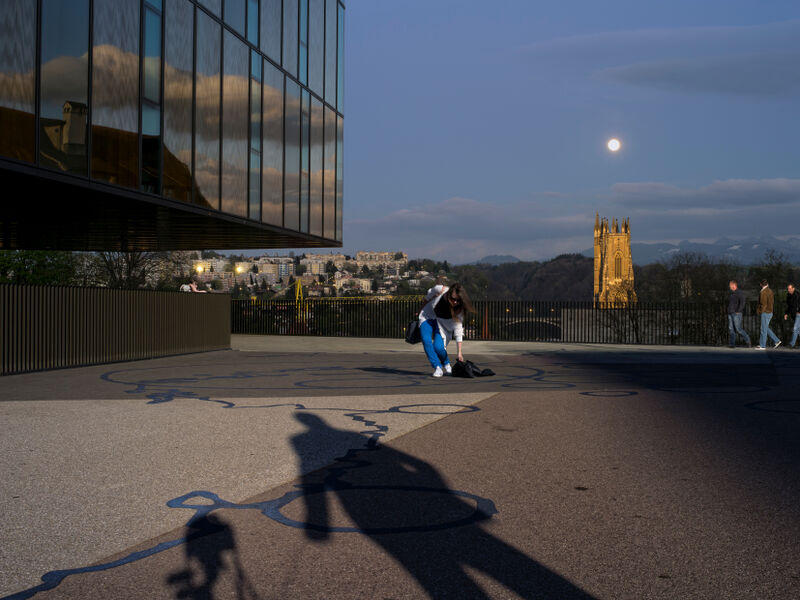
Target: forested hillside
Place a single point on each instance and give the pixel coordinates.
(685, 277)
(566, 277)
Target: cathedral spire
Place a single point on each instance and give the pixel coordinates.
(613, 264)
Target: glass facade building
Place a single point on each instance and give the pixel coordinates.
(171, 124)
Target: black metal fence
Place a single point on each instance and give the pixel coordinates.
(44, 327)
(581, 322)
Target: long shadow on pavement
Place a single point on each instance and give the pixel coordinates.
(405, 506)
(209, 550)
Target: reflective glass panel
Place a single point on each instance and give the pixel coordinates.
(305, 158)
(215, 6)
(272, 155)
(271, 29)
(329, 175)
(115, 92)
(340, 63)
(64, 85)
(255, 101)
(317, 130)
(152, 56)
(339, 175)
(235, 126)
(234, 14)
(316, 46)
(151, 120)
(17, 79)
(155, 4)
(255, 186)
(206, 161)
(179, 41)
(151, 149)
(290, 28)
(291, 180)
(330, 52)
(252, 22)
(303, 57)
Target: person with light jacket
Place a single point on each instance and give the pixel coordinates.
(440, 320)
(766, 302)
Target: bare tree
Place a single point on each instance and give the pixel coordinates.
(134, 270)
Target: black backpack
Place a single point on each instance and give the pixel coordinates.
(470, 370)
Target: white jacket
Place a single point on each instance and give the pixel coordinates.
(448, 328)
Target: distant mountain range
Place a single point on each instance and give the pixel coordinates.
(745, 252)
(496, 259)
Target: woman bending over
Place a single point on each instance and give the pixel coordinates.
(440, 320)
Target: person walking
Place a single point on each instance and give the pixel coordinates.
(766, 302)
(441, 319)
(736, 304)
(793, 312)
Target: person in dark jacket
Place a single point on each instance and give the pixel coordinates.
(735, 311)
(793, 311)
(766, 303)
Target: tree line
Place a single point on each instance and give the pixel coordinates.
(125, 270)
(686, 277)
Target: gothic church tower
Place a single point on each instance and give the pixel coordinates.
(613, 265)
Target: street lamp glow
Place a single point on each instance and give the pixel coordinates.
(614, 145)
(199, 268)
(239, 269)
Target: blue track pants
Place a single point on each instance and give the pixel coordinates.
(433, 343)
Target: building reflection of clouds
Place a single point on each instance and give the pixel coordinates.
(204, 92)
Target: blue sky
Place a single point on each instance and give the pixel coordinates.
(475, 128)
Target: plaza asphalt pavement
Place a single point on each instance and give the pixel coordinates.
(336, 468)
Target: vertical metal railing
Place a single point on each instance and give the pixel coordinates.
(546, 321)
(44, 327)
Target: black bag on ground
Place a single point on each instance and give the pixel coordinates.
(470, 370)
(413, 335)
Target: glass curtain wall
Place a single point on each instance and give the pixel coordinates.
(151, 98)
(178, 91)
(291, 180)
(330, 51)
(271, 27)
(115, 92)
(316, 145)
(254, 208)
(64, 91)
(207, 109)
(339, 175)
(272, 153)
(316, 44)
(235, 15)
(215, 6)
(305, 159)
(18, 79)
(181, 104)
(252, 22)
(340, 62)
(291, 30)
(329, 175)
(303, 55)
(235, 126)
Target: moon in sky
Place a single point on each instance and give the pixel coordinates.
(614, 144)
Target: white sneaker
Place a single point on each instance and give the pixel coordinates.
(437, 372)
(448, 369)
(778, 343)
(760, 348)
